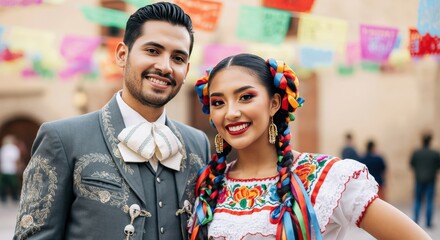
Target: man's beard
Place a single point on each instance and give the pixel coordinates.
(155, 102)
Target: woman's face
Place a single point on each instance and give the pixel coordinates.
(241, 107)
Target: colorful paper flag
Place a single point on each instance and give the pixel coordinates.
(286, 51)
(214, 53)
(429, 17)
(345, 70)
(263, 24)
(377, 42)
(204, 13)
(290, 5)
(106, 59)
(54, 1)
(352, 54)
(322, 32)
(421, 45)
(9, 3)
(105, 16)
(311, 57)
(138, 3)
(41, 43)
(78, 51)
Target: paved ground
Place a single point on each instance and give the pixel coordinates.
(8, 213)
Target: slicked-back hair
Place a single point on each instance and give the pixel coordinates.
(161, 11)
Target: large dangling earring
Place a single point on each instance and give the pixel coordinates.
(273, 131)
(218, 143)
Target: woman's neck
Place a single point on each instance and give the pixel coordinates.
(255, 164)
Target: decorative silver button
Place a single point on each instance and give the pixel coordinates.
(160, 204)
(129, 230)
(134, 211)
(162, 230)
(158, 180)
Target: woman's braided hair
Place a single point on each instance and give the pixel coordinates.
(292, 215)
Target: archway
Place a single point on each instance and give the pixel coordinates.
(25, 130)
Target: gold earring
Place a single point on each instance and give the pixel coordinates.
(218, 143)
(273, 131)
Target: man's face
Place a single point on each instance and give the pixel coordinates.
(156, 65)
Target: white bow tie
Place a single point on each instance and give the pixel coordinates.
(142, 142)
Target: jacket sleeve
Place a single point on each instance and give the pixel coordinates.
(207, 149)
(47, 189)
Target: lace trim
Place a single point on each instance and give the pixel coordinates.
(240, 227)
(334, 186)
(358, 222)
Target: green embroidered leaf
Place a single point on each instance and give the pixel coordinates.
(243, 203)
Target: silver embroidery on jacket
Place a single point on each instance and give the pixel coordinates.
(111, 136)
(36, 199)
(111, 197)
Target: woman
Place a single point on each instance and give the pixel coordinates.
(271, 191)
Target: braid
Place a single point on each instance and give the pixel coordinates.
(293, 216)
(210, 178)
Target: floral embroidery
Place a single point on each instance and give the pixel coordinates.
(304, 172)
(247, 196)
(309, 168)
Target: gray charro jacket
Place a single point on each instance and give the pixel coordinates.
(77, 185)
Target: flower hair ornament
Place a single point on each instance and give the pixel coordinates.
(281, 73)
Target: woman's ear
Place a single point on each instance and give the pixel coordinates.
(275, 104)
(121, 54)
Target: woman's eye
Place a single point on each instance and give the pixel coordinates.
(216, 103)
(246, 97)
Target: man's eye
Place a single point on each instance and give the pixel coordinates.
(180, 59)
(152, 51)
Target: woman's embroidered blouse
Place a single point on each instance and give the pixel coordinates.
(340, 191)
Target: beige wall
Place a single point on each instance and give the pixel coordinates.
(391, 108)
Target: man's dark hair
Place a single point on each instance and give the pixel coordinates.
(370, 146)
(426, 139)
(161, 11)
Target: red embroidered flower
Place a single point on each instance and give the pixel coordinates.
(303, 171)
(245, 196)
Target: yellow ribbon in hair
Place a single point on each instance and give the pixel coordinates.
(291, 97)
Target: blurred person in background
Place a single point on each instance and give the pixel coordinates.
(425, 163)
(271, 191)
(9, 161)
(376, 166)
(349, 151)
(126, 171)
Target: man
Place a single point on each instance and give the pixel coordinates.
(9, 160)
(349, 152)
(376, 166)
(88, 178)
(425, 163)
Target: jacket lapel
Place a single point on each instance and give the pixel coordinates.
(112, 124)
(183, 174)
